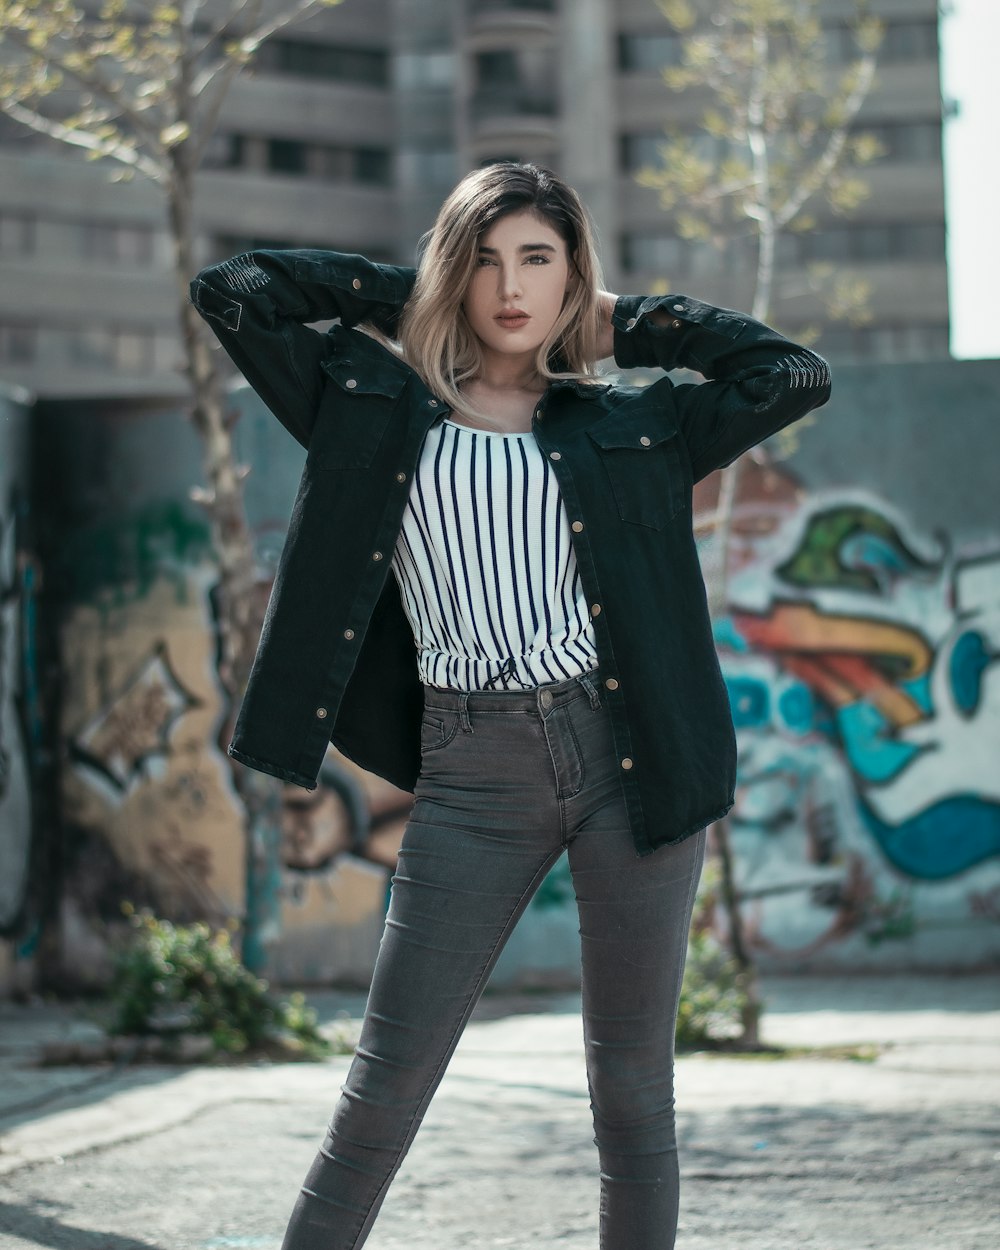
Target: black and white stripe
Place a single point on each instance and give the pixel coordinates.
(486, 569)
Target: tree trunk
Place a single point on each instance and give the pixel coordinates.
(751, 1009)
(238, 616)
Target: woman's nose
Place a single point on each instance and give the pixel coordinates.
(509, 284)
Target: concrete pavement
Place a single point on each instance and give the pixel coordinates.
(811, 1151)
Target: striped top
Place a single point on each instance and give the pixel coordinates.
(486, 569)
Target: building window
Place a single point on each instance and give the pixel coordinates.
(372, 165)
(647, 52)
(671, 256)
(909, 41)
(901, 142)
(18, 343)
(295, 158)
(903, 42)
(491, 6)
(512, 82)
(129, 350)
(17, 234)
(420, 71)
(866, 241)
(906, 141)
(885, 342)
(306, 59)
(287, 156)
(116, 243)
(428, 167)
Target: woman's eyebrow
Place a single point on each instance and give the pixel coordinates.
(525, 247)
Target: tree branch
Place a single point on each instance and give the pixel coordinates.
(252, 41)
(210, 116)
(93, 82)
(79, 138)
(827, 161)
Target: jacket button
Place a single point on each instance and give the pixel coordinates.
(351, 383)
(348, 633)
(675, 324)
(630, 323)
(646, 440)
(540, 413)
(400, 477)
(678, 308)
(577, 526)
(356, 284)
(376, 555)
(612, 683)
(626, 762)
(595, 609)
(555, 455)
(321, 713)
(432, 403)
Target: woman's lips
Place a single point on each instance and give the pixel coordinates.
(512, 321)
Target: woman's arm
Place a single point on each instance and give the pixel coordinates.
(759, 381)
(258, 304)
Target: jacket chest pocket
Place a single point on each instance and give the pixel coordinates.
(642, 459)
(357, 405)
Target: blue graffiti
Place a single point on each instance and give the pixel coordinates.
(969, 658)
(941, 841)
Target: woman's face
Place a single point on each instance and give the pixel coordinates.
(523, 273)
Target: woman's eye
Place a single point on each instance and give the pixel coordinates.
(485, 260)
(542, 260)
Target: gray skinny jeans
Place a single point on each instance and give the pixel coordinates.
(510, 779)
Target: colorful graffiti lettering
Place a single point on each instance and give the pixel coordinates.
(865, 685)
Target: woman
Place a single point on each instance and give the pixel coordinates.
(539, 670)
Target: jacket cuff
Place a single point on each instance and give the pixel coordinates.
(639, 342)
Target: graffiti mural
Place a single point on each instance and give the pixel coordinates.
(862, 663)
(15, 784)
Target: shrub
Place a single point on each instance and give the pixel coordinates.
(712, 997)
(187, 979)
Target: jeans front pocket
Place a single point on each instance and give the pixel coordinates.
(437, 728)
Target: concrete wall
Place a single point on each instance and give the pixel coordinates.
(147, 810)
(18, 711)
(860, 647)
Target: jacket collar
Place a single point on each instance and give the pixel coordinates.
(585, 390)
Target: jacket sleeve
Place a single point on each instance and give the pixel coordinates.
(758, 381)
(259, 305)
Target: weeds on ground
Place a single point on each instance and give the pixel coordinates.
(186, 980)
(712, 997)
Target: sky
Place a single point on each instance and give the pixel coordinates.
(970, 73)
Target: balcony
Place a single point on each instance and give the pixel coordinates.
(528, 16)
(513, 112)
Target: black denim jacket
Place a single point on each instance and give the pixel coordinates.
(337, 661)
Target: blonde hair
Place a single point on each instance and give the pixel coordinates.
(435, 335)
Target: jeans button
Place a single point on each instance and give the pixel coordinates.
(546, 698)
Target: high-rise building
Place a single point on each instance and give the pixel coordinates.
(352, 127)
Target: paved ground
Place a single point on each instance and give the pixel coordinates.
(775, 1155)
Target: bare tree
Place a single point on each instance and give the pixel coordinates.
(141, 86)
(776, 136)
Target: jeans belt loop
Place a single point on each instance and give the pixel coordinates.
(463, 713)
(591, 689)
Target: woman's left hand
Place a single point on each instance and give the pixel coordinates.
(606, 341)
